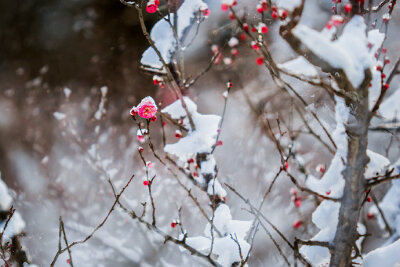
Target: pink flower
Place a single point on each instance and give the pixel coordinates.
(147, 108)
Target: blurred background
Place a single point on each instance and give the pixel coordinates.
(58, 147)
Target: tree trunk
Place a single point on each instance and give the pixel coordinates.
(353, 173)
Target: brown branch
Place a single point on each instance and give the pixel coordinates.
(59, 252)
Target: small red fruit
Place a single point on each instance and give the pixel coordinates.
(297, 224)
(348, 8)
(386, 86)
(173, 224)
(260, 61)
(224, 7)
(284, 14)
(145, 183)
(260, 9)
(264, 29)
(219, 143)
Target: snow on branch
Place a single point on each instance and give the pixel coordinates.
(164, 36)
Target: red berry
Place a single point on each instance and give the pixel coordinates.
(328, 193)
(206, 12)
(164, 123)
(173, 224)
(297, 224)
(274, 15)
(384, 50)
(219, 143)
(154, 118)
(260, 9)
(195, 174)
(242, 37)
(253, 29)
(285, 166)
(156, 2)
(264, 6)
(245, 27)
(383, 75)
(140, 149)
(386, 86)
(297, 203)
(231, 16)
(264, 29)
(378, 68)
(274, 9)
(284, 14)
(68, 261)
(260, 61)
(369, 199)
(191, 160)
(387, 61)
(145, 183)
(224, 7)
(370, 216)
(328, 25)
(348, 8)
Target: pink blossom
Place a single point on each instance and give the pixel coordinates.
(151, 8)
(147, 108)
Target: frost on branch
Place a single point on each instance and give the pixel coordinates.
(163, 35)
(225, 247)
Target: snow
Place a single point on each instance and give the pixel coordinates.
(377, 164)
(163, 36)
(59, 115)
(288, 5)
(67, 92)
(5, 198)
(233, 42)
(325, 217)
(349, 53)
(215, 188)
(300, 67)
(15, 226)
(199, 141)
(225, 247)
(388, 255)
(390, 108)
(390, 205)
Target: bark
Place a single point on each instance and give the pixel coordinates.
(353, 174)
(357, 136)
